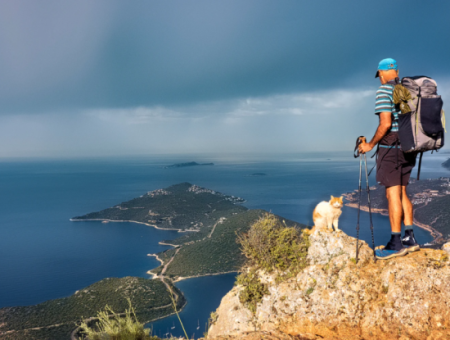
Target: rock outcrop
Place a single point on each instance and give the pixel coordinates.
(337, 298)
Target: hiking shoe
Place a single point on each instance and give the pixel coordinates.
(385, 254)
(410, 242)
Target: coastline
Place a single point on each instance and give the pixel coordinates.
(182, 278)
(157, 257)
(131, 221)
(437, 236)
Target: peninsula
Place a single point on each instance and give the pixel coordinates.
(431, 200)
(208, 219)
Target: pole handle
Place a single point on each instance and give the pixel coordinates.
(359, 140)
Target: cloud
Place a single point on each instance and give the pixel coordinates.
(66, 57)
(280, 123)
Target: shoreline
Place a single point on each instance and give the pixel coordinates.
(130, 221)
(437, 236)
(182, 278)
(157, 258)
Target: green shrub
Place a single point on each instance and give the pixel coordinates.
(253, 291)
(271, 245)
(112, 326)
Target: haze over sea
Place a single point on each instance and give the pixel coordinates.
(45, 256)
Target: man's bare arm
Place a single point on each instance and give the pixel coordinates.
(383, 127)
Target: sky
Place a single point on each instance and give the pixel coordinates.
(113, 78)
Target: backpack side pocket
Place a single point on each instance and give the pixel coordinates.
(405, 132)
(430, 115)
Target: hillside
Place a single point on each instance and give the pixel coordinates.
(212, 219)
(216, 254)
(446, 164)
(56, 319)
(184, 207)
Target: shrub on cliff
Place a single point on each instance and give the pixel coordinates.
(112, 326)
(271, 246)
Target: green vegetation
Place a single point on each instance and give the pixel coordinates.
(183, 206)
(113, 326)
(272, 246)
(218, 253)
(253, 291)
(56, 319)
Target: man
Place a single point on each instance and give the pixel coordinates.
(393, 166)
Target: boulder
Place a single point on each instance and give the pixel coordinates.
(336, 297)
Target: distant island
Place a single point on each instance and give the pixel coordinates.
(431, 200)
(446, 164)
(257, 174)
(183, 165)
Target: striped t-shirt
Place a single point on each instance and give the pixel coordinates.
(385, 103)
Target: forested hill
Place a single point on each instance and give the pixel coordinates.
(184, 207)
(211, 220)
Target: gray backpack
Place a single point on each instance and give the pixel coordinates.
(421, 129)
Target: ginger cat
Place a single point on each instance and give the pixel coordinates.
(326, 214)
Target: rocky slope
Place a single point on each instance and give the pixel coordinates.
(337, 298)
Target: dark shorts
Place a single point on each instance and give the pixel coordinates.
(394, 166)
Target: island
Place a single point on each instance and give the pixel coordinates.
(183, 165)
(208, 223)
(257, 174)
(431, 200)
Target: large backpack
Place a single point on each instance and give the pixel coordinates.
(422, 128)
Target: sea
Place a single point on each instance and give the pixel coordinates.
(43, 255)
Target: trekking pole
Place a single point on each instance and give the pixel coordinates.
(360, 140)
(370, 209)
(356, 154)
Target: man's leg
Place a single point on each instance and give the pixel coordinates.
(408, 240)
(394, 247)
(394, 197)
(407, 208)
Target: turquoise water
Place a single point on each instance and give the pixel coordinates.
(45, 256)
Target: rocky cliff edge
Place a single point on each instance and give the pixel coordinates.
(336, 298)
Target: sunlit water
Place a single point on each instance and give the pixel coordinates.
(45, 256)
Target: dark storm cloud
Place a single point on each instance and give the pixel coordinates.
(104, 54)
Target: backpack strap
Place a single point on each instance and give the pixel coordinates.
(420, 163)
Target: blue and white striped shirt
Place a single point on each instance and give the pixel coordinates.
(385, 103)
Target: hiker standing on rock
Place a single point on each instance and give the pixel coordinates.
(393, 165)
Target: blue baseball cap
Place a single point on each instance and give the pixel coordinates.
(386, 64)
